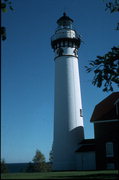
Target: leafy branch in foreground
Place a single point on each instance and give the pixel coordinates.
(4, 5)
(106, 69)
(113, 6)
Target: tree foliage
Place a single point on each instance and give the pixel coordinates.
(3, 166)
(113, 6)
(39, 162)
(106, 68)
(5, 5)
(39, 157)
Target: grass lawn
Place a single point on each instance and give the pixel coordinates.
(108, 174)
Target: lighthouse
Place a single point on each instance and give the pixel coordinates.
(68, 118)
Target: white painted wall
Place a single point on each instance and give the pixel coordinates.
(86, 161)
(68, 124)
(64, 33)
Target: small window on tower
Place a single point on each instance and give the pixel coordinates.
(61, 44)
(74, 45)
(81, 113)
(70, 44)
(66, 43)
(75, 52)
(60, 52)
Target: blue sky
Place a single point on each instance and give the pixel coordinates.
(28, 70)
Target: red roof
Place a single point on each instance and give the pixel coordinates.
(106, 109)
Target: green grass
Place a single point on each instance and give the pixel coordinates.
(108, 174)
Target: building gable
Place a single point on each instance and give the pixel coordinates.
(106, 109)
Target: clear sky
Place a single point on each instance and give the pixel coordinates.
(28, 70)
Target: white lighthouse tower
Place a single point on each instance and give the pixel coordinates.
(68, 120)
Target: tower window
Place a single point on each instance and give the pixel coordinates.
(61, 43)
(81, 113)
(73, 45)
(66, 43)
(70, 44)
(75, 52)
(60, 51)
(109, 149)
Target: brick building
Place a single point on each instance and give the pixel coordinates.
(102, 152)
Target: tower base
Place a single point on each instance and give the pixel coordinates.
(64, 149)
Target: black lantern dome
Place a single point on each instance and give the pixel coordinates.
(65, 21)
(65, 35)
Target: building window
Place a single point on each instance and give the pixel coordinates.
(81, 113)
(110, 166)
(109, 149)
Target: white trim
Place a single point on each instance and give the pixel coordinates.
(116, 101)
(112, 120)
(117, 108)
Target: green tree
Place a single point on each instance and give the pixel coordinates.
(5, 5)
(39, 162)
(49, 164)
(106, 67)
(3, 166)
